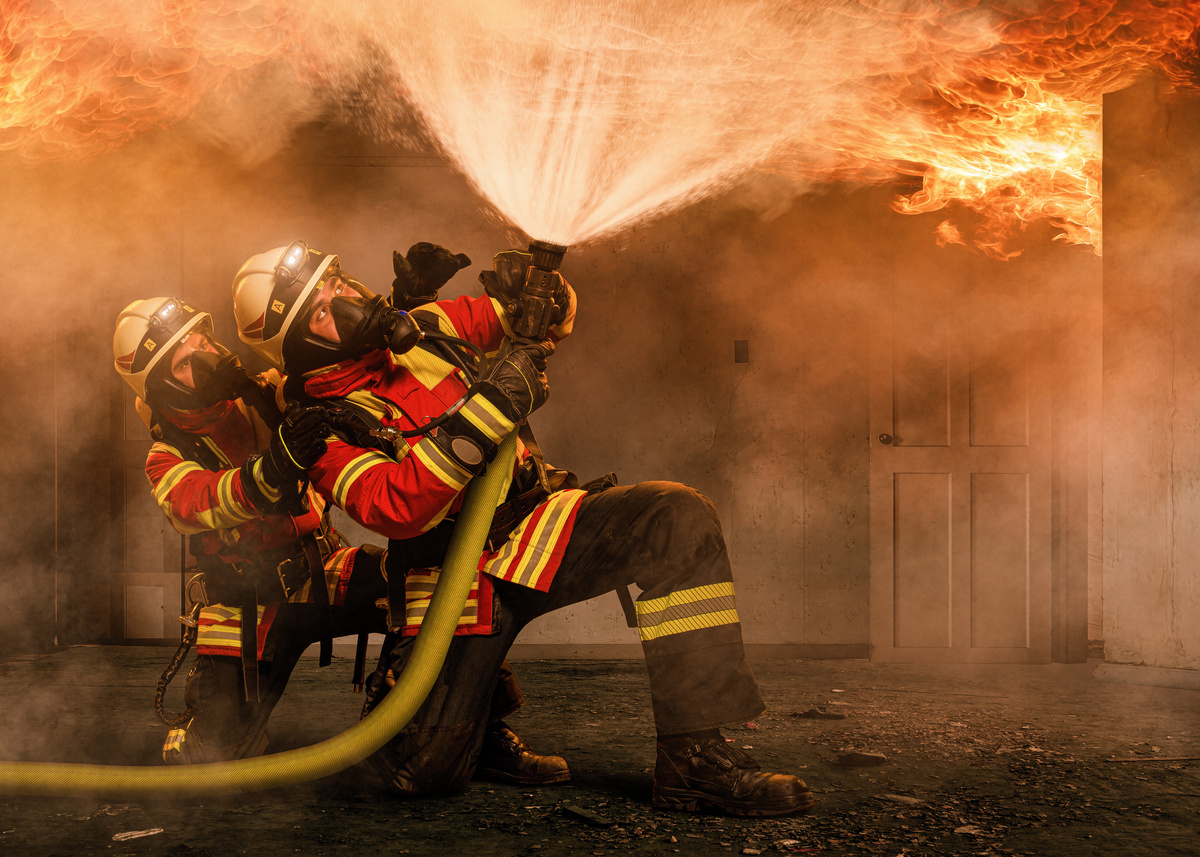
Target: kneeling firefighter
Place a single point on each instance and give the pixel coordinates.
(420, 403)
(227, 469)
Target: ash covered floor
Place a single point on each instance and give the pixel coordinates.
(986, 760)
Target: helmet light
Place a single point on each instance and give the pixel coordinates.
(290, 263)
(165, 316)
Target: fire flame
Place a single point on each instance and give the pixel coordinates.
(79, 77)
(996, 108)
(992, 106)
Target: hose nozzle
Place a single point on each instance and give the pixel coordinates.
(536, 306)
(546, 256)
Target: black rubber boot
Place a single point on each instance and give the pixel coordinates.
(505, 758)
(694, 774)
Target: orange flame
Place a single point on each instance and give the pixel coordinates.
(999, 112)
(82, 76)
(993, 105)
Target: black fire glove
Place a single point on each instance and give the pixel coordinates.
(513, 389)
(419, 274)
(278, 474)
(517, 384)
(506, 282)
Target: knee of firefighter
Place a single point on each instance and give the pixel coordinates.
(682, 510)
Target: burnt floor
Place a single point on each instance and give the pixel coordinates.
(1040, 760)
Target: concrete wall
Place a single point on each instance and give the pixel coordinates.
(1151, 448)
(648, 386)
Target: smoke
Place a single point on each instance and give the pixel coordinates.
(179, 120)
(576, 120)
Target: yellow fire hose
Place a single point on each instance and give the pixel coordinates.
(330, 756)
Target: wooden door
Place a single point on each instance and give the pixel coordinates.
(960, 467)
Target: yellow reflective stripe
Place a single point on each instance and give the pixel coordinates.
(371, 403)
(486, 417)
(427, 368)
(227, 513)
(221, 626)
(228, 500)
(537, 543)
(220, 613)
(272, 494)
(212, 444)
(502, 314)
(173, 478)
(220, 636)
(164, 487)
(686, 596)
(440, 464)
(352, 471)
(695, 623)
(687, 610)
(418, 592)
(174, 743)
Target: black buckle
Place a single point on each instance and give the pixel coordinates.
(292, 572)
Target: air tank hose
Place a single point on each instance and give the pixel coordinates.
(327, 757)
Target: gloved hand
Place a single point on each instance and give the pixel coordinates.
(506, 282)
(517, 385)
(422, 271)
(218, 377)
(297, 445)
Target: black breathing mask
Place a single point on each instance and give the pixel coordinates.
(216, 376)
(364, 321)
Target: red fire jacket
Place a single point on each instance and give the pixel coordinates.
(214, 504)
(403, 495)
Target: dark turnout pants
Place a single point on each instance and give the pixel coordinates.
(664, 538)
(225, 725)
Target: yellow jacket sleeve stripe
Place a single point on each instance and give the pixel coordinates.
(352, 471)
(440, 464)
(487, 418)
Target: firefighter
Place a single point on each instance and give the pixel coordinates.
(419, 413)
(226, 467)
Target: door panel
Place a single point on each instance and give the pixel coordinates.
(1000, 560)
(960, 471)
(922, 560)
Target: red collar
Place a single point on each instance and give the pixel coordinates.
(196, 421)
(346, 377)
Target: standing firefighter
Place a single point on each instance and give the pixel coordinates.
(419, 410)
(228, 470)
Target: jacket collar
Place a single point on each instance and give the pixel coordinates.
(344, 378)
(198, 421)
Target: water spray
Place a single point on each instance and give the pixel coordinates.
(535, 308)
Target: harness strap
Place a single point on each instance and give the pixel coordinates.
(320, 594)
(249, 604)
(360, 663)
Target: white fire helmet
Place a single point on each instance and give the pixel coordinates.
(269, 291)
(147, 331)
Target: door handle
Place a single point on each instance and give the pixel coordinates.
(885, 439)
